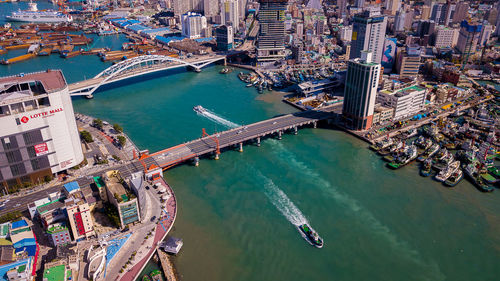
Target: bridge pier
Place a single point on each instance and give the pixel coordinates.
(196, 161)
(216, 156)
(240, 147)
(258, 141)
(295, 130)
(89, 96)
(315, 124)
(279, 135)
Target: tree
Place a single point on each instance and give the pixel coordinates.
(10, 216)
(122, 140)
(117, 128)
(98, 123)
(86, 136)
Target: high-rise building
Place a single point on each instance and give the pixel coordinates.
(468, 38)
(224, 37)
(399, 21)
(393, 6)
(229, 13)
(211, 8)
(438, 13)
(368, 33)
(426, 12)
(486, 32)
(406, 102)
(491, 16)
(461, 10)
(425, 27)
(242, 5)
(320, 27)
(271, 40)
(360, 3)
(346, 33)
(449, 13)
(193, 25)
(341, 8)
(360, 91)
(408, 61)
(181, 6)
(38, 133)
(445, 36)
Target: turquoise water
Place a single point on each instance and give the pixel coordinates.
(236, 215)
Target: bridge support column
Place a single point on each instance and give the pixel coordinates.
(315, 124)
(258, 141)
(240, 147)
(216, 156)
(295, 130)
(279, 135)
(196, 161)
(89, 96)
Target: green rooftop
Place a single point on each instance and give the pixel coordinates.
(56, 273)
(4, 230)
(413, 88)
(99, 182)
(21, 268)
(14, 232)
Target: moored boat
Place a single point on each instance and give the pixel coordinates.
(455, 178)
(426, 169)
(404, 158)
(471, 171)
(310, 235)
(445, 173)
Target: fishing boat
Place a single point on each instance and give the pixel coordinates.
(445, 173)
(471, 171)
(310, 235)
(444, 162)
(426, 169)
(406, 157)
(382, 144)
(429, 152)
(391, 149)
(455, 178)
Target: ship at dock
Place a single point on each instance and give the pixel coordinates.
(34, 15)
(310, 235)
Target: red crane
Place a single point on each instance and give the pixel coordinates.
(214, 138)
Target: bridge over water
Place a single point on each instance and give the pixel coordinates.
(138, 66)
(213, 144)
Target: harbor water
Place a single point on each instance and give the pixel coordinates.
(237, 215)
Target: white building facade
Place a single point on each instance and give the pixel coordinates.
(406, 102)
(193, 25)
(38, 135)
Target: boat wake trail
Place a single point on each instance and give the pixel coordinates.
(212, 116)
(367, 218)
(281, 201)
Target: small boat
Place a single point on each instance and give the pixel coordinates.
(199, 109)
(455, 178)
(471, 171)
(429, 152)
(249, 85)
(404, 158)
(382, 144)
(445, 173)
(426, 169)
(310, 235)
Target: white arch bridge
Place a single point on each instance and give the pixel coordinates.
(138, 66)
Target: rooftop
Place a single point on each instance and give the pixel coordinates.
(18, 224)
(51, 79)
(55, 228)
(71, 187)
(114, 185)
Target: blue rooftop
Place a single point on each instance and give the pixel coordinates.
(9, 266)
(137, 27)
(71, 186)
(204, 39)
(152, 30)
(25, 242)
(18, 224)
(167, 40)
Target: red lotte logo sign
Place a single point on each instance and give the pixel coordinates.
(44, 114)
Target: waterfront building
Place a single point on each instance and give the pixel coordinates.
(406, 102)
(382, 114)
(38, 135)
(368, 34)
(122, 198)
(229, 13)
(309, 88)
(58, 234)
(271, 39)
(445, 36)
(360, 91)
(78, 211)
(468, 39)
(193, 25)
(408, 62)
(224, 38)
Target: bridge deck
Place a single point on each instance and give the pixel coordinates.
(205, 145)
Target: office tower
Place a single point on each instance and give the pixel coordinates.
(438, 13)
(211, 8)
(426, 12)
(450, 11)
(486, 32)
(360, 91)
(224, 37)
(271, 40)
(242, 6)
(368, 34)
(193, 25)
(181, 6)
(461, 11)
(229, 13)
(393, 6)
(444, 36)
(408, 62)
(399, 21)
(341, 8)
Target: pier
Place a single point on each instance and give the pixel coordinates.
(138, 66)
(237, 137)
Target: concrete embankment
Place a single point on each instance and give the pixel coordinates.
(166, 264)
